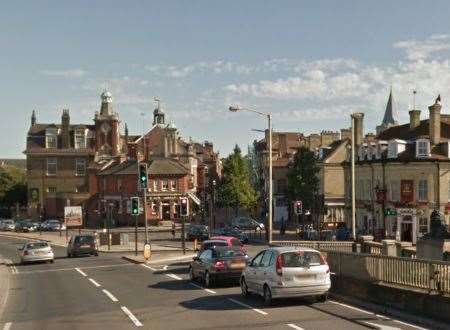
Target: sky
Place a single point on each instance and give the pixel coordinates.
(309, 63)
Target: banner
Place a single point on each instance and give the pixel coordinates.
(73, 216)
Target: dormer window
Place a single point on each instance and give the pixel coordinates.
(422, 148)
(51, 138)
(395, 147)
(80, 138)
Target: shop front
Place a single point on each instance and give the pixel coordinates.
(406, 226)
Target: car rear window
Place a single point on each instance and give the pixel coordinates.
(227, 253)
(301, 259)
(84, 239)
(211, 244)
(37, 245)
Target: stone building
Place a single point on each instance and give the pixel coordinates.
(402, 176)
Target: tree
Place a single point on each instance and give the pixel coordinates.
(303, 182)
(13, 187)
(235, 189)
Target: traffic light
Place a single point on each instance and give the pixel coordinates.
(389, 211)
(298, 207)
(135, 205)
(184, 206)
(143, 176)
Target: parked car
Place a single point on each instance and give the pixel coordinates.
(217, 265)
(8, 225)
(36, 251)
(210, 243)
(246, 223)
(287, 272)
(199, 232)
(54, 225)
(231, 242)
(24, 226)
(81, 245)
(234, 232)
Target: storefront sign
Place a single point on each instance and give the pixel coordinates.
(73, 216)
(403, 212)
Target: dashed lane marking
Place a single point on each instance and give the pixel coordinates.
(131, 316)
(174, 276)
(293, 326)
(200, 287)
(110, 295)
(94, 282)
(72, 268)
(7, 326)
(149, 267)
(247, 306)
(81, 272)
(410, 325)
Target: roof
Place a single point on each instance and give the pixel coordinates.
(389, 112)
(40, 128)
(404, 132)
(161, 166)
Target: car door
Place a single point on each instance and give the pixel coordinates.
(265, 274)
(251, 272)
(202, 263)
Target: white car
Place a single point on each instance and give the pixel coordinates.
(7, 225)
(36, 251)
(283, 272)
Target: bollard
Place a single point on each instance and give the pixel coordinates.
(195, 244)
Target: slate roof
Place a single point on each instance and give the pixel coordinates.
(404, 132)
(159, 166)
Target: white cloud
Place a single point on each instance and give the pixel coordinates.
(422, 49)
(70, 73)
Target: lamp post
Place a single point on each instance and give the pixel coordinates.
(236, 108)
(353, 180)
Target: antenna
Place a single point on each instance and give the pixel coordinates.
(414, 99)
(158, 101)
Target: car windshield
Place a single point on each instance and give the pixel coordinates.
(301, 259)
(227, 253)
(84, 239)
(36, 245)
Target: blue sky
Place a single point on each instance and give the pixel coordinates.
(311, 63)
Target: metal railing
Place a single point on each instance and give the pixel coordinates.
(319, 245)
(433, 276)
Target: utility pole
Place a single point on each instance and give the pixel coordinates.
(353, 181)
(269, 118)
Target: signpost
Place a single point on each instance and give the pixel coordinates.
(73, 217)
(135, 212)
(184, 213)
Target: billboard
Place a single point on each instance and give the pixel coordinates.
(73, 216)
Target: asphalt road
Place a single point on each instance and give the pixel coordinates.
(106, 292)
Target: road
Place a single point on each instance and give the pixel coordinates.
(106, 292)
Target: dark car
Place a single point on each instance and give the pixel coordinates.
(81, 245)
(217, 264)
(234, 232)
(199, 232)
(25, 226)
(211, 243)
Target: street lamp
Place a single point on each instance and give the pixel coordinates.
(236, 108)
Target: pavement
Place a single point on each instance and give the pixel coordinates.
(108, 292)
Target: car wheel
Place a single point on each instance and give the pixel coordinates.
(52, 261)
(69, 255)
(209, 281)
(267, 296)
(96, 254)
(323, 298)
(244, 288)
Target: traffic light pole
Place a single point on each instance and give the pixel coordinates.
(145, 214)
(183, 236)
(135, 235)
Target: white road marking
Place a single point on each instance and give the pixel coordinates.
(72, 268)
(171, 259)
(381, 327)
(174, 276)
(165, 267)
(247, 306)
(378, 315)
(151, 268)
(293, 326)
(7, 326)
(81, 272)
(110, 295)
(131, 316)
(95, 283)
(200, 287)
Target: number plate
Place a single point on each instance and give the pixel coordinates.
(237, 265)
(85, 246)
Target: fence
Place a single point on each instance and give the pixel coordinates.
(318, 245)
(414, 273)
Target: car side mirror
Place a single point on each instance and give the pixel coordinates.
(20, 248)
(196, 258)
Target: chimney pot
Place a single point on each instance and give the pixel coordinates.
(414, 118)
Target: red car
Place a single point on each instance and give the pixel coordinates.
(232, 242)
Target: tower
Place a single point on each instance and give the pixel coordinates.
(107, 128)
(158, 114)
(388, 119)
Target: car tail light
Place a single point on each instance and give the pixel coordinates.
(220, 264)
(323, 261)
(25, 253)
(278, 266)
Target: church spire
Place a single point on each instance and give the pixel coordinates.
(388, 119)
(33, 118)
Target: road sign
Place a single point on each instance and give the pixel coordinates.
(73, 216)
(147, 251)
(298, 207)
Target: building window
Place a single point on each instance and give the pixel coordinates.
(51, 166)
(423, 225)
(281, 185)
(423, 190)
(155, 185)
(165, 185)
(173, 185)
(395, 191)
(154, 208)
(119, 184)
(51, 138)
(422, 148)
(80, 139)
(80, 167)
(51, 190)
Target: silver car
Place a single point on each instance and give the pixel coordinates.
(8, 225)
(36, 251)
(283, 272)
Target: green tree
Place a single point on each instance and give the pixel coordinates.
(13, 187)
(303, 182)
(235, 189)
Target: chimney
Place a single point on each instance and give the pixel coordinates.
(435, 121)
(65, 129)
(33, 118)
(358, 120)
(414, 119)
(346, 133)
